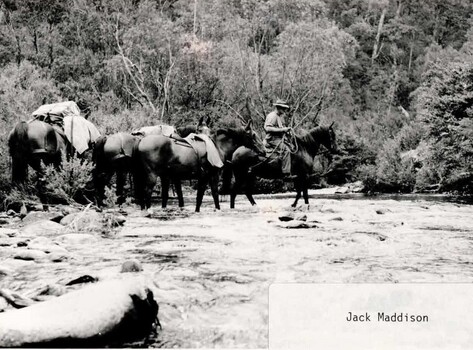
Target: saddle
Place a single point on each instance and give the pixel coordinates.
(203, 146)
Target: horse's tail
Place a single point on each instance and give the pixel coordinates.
(18, 140)
(138, 173)
(18, 147)
(227, 174)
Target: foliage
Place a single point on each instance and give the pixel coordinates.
(355, 154)
(444, 105)
(375, 67)
(66, 183)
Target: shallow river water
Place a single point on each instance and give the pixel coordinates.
(212, 269)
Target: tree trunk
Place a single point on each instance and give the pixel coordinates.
(376, 47)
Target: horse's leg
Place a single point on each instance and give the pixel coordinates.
(226, 179)
(19, 170)
(305, 187)
(121, 178)
(150, 183)
(178, 188)
(164, 191)
(298, 186)
(235, 189)
(40, 180)
(202, 183)
(250, 184)
(214, 189)
(102, 179)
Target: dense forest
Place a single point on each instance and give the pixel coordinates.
(396, 76)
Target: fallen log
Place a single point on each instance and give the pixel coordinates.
(108, 313)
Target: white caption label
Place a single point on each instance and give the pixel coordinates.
(371, 316)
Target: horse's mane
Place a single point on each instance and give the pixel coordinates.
(232, 132)
(184, 131)
(238, 134)
(313, 136)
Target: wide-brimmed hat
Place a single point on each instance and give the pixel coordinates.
(281, 103)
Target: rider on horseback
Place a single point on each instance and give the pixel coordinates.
(274, 140)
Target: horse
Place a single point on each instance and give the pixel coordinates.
(32, 143)
(36, 143)
(247, 165)
(115, 154)
(173, 160)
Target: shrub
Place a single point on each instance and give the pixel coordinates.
(69, 181)
(395, 169)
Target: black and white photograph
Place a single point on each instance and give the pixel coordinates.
(253, 174)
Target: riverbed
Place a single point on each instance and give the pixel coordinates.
(212, 269)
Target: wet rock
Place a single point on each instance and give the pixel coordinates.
(51, 290)
(17, 264)
(131, 266)
(4, 221)
(301, 217)
(113, 220)
(5, 242)
(11, 212)
(42, 228)
(29, 254)
(297, 224)
(5, 271)
(342, 190)
(381, 211)
(46, 245)
(58, 257)
(82, 279)
(87, 220)
(104, 314)
(287, 217)
(3, 304)
(9, 232)
(23, 211)
(77, 238)
(16, 300)
(357, 187)
(36, 216)
(337, 218)
(22, 244)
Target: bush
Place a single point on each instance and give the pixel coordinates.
(70, 181)
(397, 164)
(355, 154)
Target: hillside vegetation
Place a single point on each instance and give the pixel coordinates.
(396, 76)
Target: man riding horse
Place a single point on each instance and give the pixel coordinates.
(274, 140)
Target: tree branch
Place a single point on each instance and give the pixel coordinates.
(128, 65)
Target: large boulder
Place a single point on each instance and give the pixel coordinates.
(88, 220)
(42, 228)
(109, 313)
(35, 216)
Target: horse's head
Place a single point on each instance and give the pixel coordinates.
(330, 139)
(254, 141)
(204, 125)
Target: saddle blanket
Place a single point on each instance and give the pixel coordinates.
(79, 131)
(163, 129)
(59, 110)
(66, 115)
(213, 156)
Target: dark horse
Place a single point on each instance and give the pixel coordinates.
(173, 160)
(32, 143)
(115, 154)
(247, 165)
